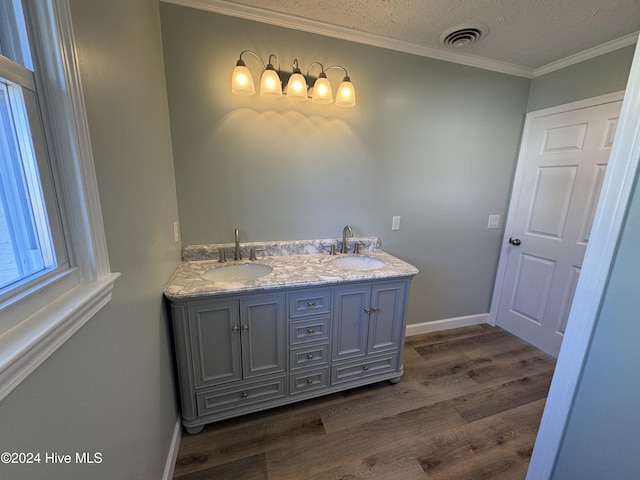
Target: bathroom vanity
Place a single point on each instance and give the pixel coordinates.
(298, 326)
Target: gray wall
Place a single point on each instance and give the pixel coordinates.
(601, 440)
(597, 76)
(431, 141)
(109, 389)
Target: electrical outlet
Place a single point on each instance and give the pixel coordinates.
(494, 221)
(176, 232)
(395, 223)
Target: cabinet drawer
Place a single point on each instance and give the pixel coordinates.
(309, 302)
(310, 330)
(308, 355)
(365, 367)
(221, 399)
(311, 380)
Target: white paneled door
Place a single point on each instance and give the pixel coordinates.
(562, 164)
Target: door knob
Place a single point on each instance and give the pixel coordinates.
(515, 241)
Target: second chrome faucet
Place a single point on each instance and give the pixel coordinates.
(237, 255)
(346, 230)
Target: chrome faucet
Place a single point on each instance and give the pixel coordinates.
(345, 230)
(237, 253)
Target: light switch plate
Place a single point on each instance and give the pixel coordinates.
(395, 223)
(494, 221)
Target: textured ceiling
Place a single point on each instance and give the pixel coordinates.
(526, 33)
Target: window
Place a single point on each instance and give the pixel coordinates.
(31, 240)
(25, 236)
(54, 269)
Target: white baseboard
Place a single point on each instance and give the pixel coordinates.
(173, 450)
(446, 324)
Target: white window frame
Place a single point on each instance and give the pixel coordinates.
(43, 316)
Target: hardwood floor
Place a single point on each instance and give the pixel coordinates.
(468, 407)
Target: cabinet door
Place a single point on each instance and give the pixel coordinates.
(264, 347)
(350, 321)
(215, 343)
(386, 322)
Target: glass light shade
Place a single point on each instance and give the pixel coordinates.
(322, 92)
(270, 84)
(297, 87)
(346, 95)
(242, 81)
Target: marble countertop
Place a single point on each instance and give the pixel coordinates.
(288, 271)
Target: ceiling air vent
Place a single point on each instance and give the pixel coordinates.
(463, 35)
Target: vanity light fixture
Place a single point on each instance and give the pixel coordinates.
(321, 91)
(346, 94)
(270, 84)
(297, 85)
(242, 81)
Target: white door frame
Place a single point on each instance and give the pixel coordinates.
(607, 228)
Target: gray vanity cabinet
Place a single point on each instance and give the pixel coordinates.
(263, 335)
(309, 337)
(248, 352)
(231, 355)
(368, 318)
(213, 329)
(368, 330)
(232, 341)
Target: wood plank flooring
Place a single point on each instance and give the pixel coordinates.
(467, 407)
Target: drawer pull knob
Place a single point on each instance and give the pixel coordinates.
(235, 329)
(365, 368)
(310, 356)
(309, 381)
(245, 394)
(311, 304)
(310, 331)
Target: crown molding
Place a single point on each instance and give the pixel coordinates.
(621, 42)
(311, 26)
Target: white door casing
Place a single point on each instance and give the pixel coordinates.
(561, 166)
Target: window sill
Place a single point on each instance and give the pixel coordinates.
(30, 343)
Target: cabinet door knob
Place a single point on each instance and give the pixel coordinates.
(245, 328)
(235, 329)
(311, 304)
(375, 310)
(367, 310)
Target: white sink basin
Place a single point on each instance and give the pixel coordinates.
(239, 272)
(359, 263)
